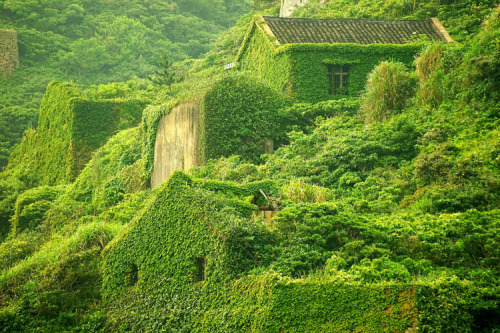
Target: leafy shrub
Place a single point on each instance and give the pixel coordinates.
(31, 207)
(17, 248)
(344, 148)
(12, 184)
(388, 88)
(233, 168)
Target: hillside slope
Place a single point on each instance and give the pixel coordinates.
(94, 42)
(388, 214)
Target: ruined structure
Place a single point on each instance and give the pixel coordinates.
(177, 141)
(70, 128)
(237, 115)
(9, 52)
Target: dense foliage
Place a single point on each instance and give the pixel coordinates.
(92, 42)
(385, 206)
(239, 114)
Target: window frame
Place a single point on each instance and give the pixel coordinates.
(338, 79)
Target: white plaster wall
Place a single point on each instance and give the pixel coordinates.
(177, 139)
(287, 6)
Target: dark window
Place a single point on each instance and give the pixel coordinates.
(132, 275)
(338, 76)
(200, 265)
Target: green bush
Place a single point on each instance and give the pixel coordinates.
(31, 207)
(17, 248)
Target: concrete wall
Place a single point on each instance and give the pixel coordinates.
(287, 6)
(9, 52)
(177, 141)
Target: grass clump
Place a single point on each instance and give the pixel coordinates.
(389, 87)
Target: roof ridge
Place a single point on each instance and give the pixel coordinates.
(339, 19)
(289, 30)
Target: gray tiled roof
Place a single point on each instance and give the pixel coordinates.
(302, 30)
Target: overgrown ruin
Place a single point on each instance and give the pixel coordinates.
(9, 52)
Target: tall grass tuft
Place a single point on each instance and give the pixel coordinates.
(430, 70)
(388, 88)
(299, 191)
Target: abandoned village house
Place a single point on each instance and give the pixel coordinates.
(313, 60)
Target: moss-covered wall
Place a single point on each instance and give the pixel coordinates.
(272, 303)
(239, 113)
(258, 57)
(309, 78)
(301, 70)
(70, 129)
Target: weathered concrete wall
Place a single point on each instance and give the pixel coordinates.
(177, 141)
(9, 52)
(287, 6)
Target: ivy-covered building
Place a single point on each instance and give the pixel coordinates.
(185, 265)
(70, 128)
(312, 60)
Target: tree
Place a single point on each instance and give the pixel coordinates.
(165, 75)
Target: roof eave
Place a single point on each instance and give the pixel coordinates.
(307, 47)
(268, 30)
(259, 23)
(439, 27)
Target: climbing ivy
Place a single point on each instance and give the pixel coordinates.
(70, 129)
(238, 114)
(301, 70)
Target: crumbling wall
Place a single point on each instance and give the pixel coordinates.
(9, 52)
(177, 141)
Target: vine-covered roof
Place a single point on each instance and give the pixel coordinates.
(304, 30)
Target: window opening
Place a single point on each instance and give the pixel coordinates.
(133, 275)
(339, 79)
(200, 266)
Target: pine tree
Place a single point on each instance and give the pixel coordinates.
(165, 75)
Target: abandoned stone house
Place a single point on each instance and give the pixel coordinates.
(312, 60)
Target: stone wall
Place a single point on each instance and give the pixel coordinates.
(9, 52)
(177, 141)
